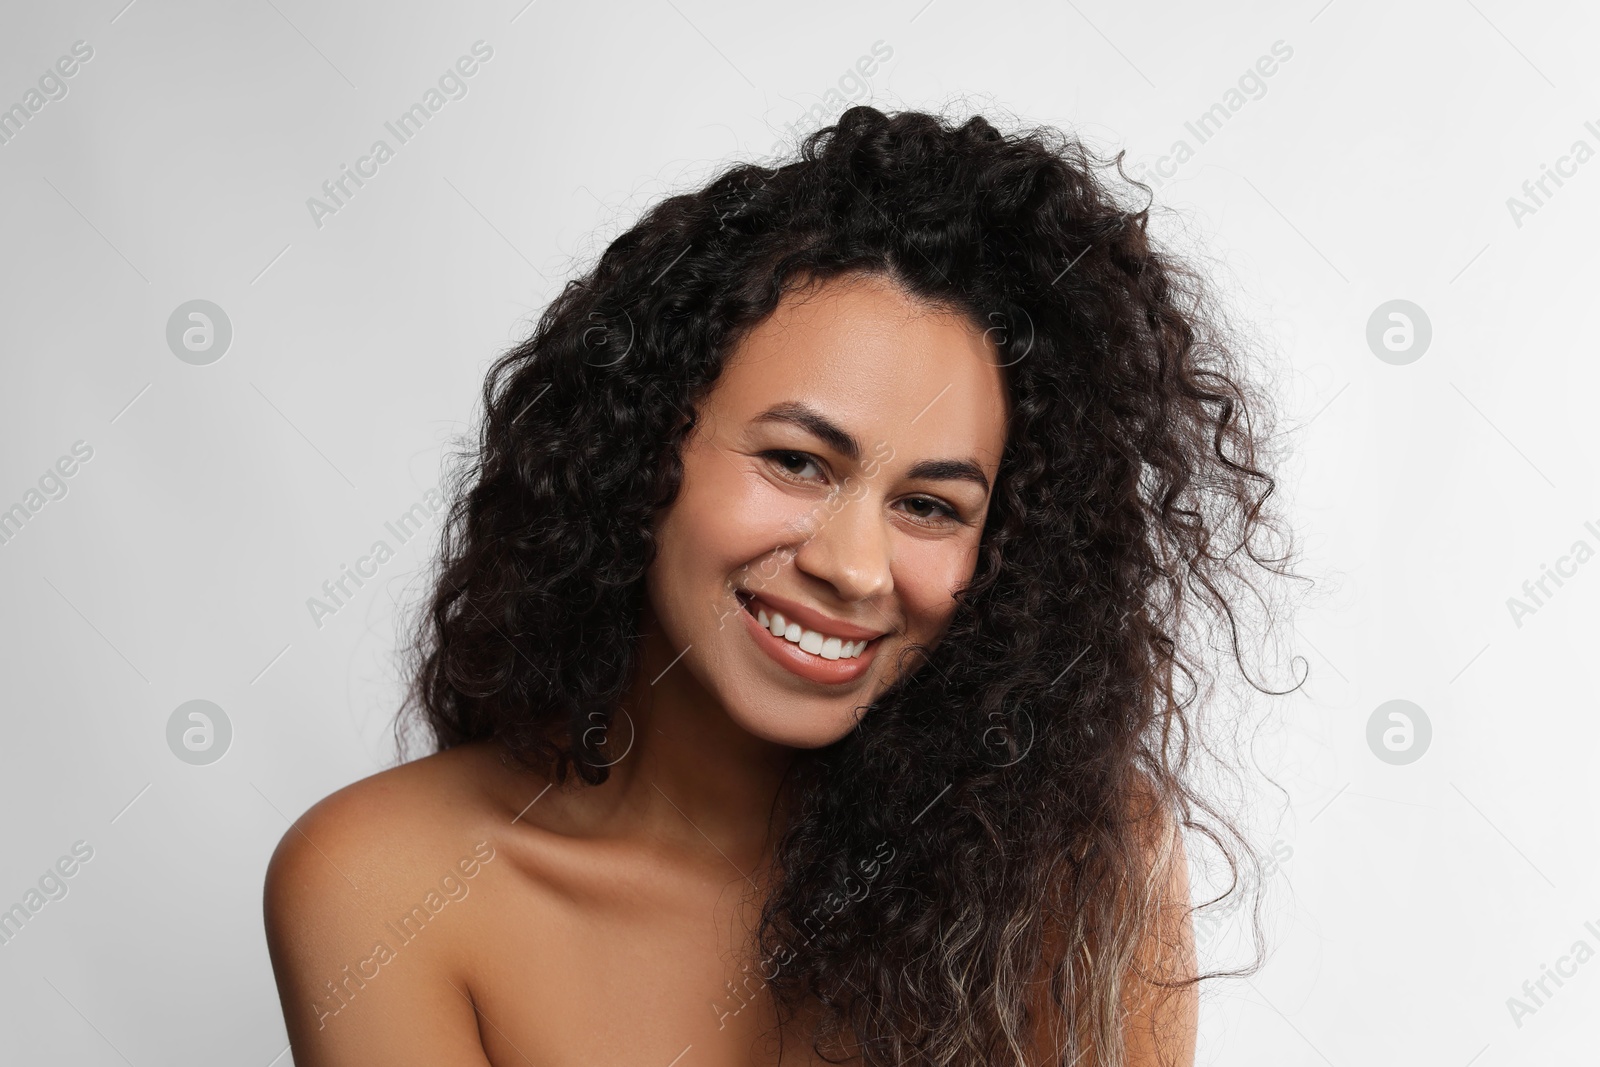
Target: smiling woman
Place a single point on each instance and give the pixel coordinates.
(810, 636)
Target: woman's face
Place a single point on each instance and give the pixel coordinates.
(839, 477)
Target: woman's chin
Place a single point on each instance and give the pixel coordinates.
(788, 723)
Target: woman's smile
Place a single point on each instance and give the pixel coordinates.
(835, 653)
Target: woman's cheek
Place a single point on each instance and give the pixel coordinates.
(761, 517)
(930, 573)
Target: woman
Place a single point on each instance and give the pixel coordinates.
(804, 660)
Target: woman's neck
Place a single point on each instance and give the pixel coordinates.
(685, 772)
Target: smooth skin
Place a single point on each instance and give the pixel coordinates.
(457, 911)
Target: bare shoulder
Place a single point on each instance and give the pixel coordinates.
(376, 831)
(1160, 992)
(369, 945)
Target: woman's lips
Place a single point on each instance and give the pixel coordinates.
(806, 665)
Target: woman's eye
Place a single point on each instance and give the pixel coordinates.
(789, 460)
(938, 511)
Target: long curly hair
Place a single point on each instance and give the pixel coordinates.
(988, 822)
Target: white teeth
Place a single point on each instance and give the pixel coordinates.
(809, 640)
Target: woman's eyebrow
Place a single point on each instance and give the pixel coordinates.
(946, 470)
(816, 423)
(843, 442)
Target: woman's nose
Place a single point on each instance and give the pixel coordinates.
(850, 548)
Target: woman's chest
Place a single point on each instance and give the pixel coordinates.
(649, 981)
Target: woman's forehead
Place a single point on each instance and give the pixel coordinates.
(875, 361)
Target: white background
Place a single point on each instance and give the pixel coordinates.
(1376, 165)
